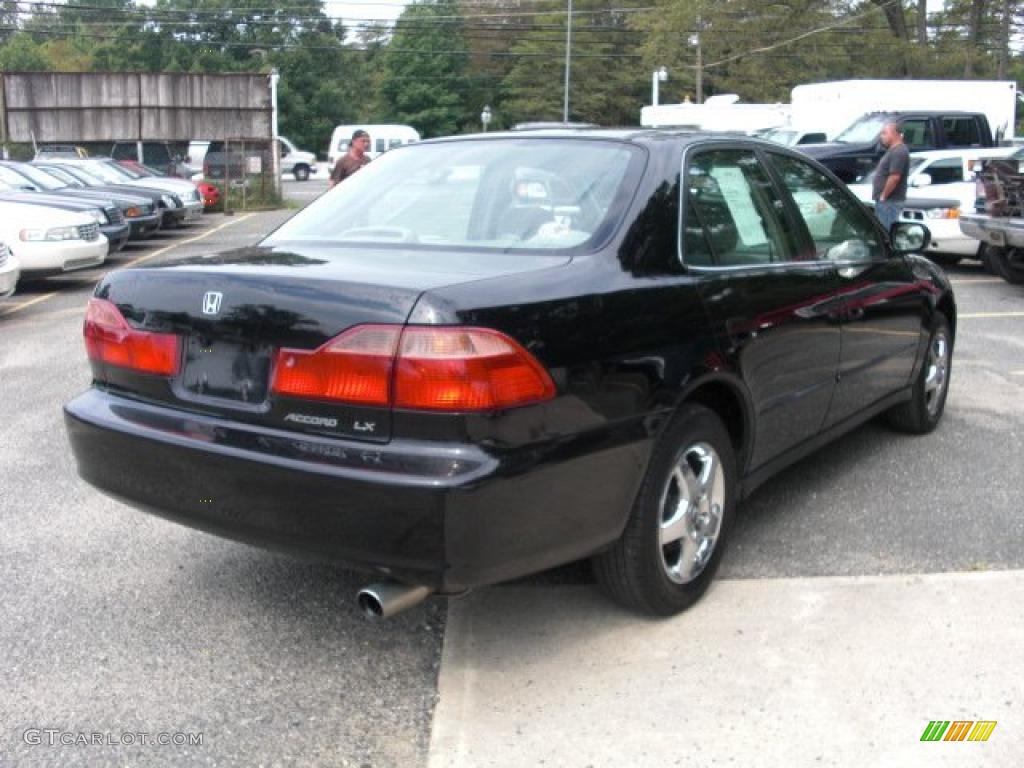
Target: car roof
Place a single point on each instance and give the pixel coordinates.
(631, 135)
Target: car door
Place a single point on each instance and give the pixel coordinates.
(770, 301)
(884, 305)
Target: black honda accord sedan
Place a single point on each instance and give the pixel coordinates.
(485, 356)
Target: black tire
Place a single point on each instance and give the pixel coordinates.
(922, 413)
(635, 572)
(984, 256)
(1008, 264)
(301, 172)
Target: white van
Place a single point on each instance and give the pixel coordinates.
(382, 138)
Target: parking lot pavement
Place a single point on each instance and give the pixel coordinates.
(842, 671)
(114, 621)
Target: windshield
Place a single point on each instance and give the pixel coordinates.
(83, 176)
(64, 175)
(131, 173)
(12, 179)
(502, 194)
(40, 178)
(787, 138)
(864, 131)
(105, 172)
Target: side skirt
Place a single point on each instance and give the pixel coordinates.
(766, 471)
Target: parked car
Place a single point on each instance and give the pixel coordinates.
(183, 190)
(139, 208)
(295, 161)
(941, 175)
(109, 219)
(169, 205)
(857, 150)
(60, 151)
(486, 356)
(49, 241)
(208, 193)
(791, 137)
(9, 271)
(162, 156)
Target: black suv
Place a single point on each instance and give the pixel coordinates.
(857, 150)
(496, 354)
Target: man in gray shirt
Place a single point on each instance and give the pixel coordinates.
(889, 187)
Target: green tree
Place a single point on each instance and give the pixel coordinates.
(20, 53)
(424, 69)
(606, 81)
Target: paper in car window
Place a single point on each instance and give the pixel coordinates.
(736, 192)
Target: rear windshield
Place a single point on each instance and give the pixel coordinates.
(501, 194)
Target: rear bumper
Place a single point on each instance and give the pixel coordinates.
(448, 516)
(995, 231)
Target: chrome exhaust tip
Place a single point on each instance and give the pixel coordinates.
(384, 600)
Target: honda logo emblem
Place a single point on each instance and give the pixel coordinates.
(211, 302)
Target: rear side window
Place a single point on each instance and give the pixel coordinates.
(741, 213)
(962, 131)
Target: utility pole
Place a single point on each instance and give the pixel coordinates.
(568, 49)
(275, 148)
(700, 65)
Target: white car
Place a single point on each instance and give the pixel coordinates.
(942, 175)
(9, 271)
(113, 173)
(49, 240)
(297, 162)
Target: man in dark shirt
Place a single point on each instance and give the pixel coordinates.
(889, 188)
(352, 160)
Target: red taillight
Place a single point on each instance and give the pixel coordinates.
(355, 367)
(420, 368)
(109, 339)
(471, 369)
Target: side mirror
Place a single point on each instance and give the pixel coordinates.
(909, 237)
(922, 180)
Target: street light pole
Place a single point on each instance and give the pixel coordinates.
(660, 75)
(568, 49)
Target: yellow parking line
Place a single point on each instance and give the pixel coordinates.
(987, 315)
(28, 303)
(195, 239)
(132, 263)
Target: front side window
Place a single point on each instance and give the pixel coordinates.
(499, 194)
(917, 134)
(739, 209)
(839, 226)
(946, 171)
